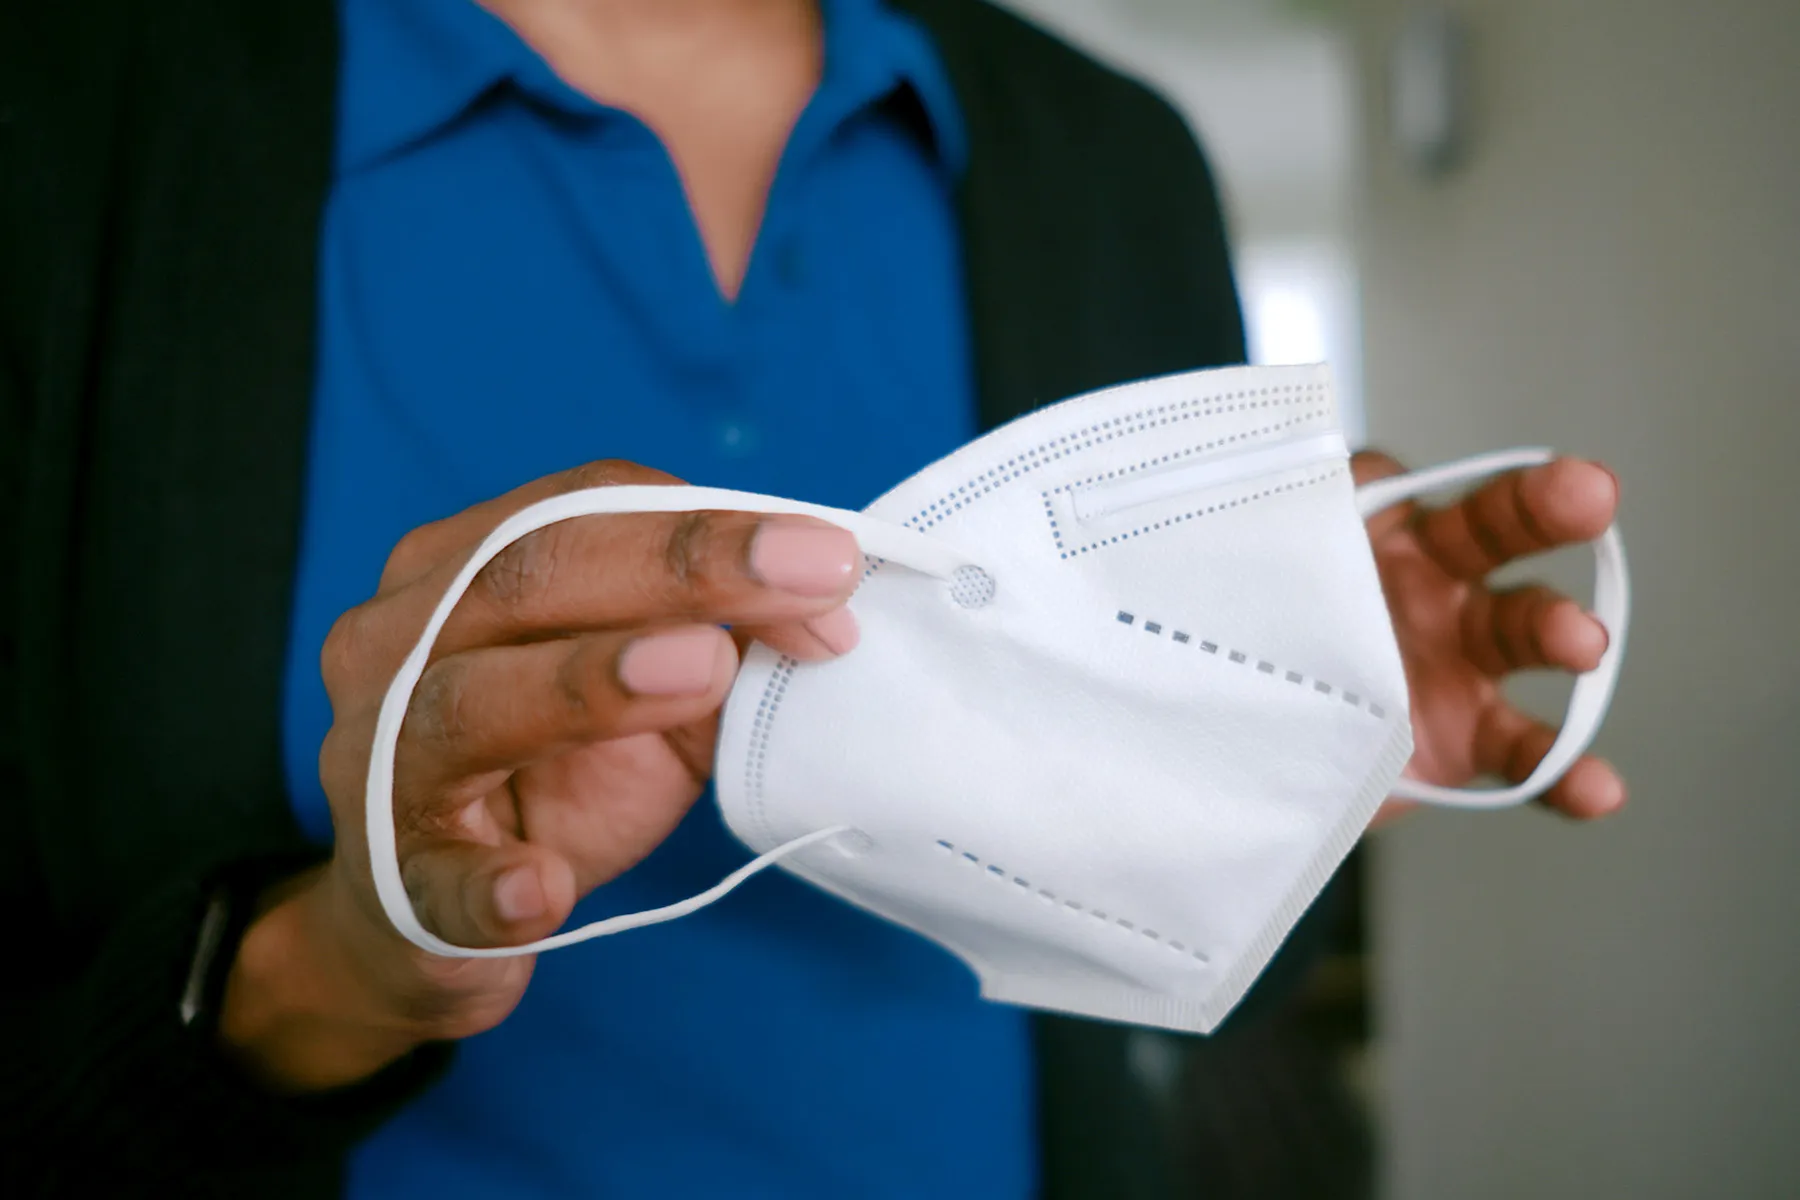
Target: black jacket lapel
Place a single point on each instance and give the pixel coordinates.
(192, 455)
(1093, 243)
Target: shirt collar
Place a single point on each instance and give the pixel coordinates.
(412, 67)
(872, 51)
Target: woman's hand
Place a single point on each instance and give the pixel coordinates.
(1459, 639)
(563, 728)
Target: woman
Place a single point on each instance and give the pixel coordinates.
(290, 284)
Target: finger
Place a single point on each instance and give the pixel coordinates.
(1519, 514)
(1530, 627)
(1511, 745)
(1591, 789)
(606, 572)
(1366, 466)
(648, 568)
(429, 546)
(498, 708)
(478, 896)
(822, 637)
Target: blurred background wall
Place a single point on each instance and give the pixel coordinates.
(1610, 1011)
(1607, 1011)
(1271, 86)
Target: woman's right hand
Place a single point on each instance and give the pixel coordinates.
(564, 726)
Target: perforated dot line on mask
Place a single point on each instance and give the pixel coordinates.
(1023, 887)
(1022, 464)
(1236, 502)
(963, 591)
(1196, 448)
(1318, 687)
(971, 593)
(760, 727)
(970, 586)
(1163, 460)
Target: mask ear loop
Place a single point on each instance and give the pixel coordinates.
(878, 539)
(1593, 689)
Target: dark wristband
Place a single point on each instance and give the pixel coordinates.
(234, 898)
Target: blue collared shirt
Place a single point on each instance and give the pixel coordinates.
(512, 284)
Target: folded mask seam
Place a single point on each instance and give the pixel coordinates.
(1067, 551)
(1320, 688)
(1001, 474)
(1328, 854)
(1068, 906)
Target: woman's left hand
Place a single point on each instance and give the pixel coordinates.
(1459, 638)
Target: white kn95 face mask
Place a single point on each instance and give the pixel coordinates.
(1127, 693)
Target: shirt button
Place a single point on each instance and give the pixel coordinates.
(790, 264)
(735, 438)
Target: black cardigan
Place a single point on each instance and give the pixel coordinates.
(162, 171)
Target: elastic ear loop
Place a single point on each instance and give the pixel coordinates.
(1593, 689)
(878, 539)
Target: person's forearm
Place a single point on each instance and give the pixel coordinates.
(295, 1015)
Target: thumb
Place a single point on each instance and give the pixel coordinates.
(482, 896)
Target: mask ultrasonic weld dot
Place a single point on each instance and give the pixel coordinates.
(972, 587)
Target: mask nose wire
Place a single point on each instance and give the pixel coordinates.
(877, 539)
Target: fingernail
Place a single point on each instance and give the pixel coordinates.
(518, 895)
(678, 663)
(808, 560)
(1609, 800)
(1596, 628)
(837, 629)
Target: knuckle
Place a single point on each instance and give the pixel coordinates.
(1489, 542)
(524, 572)
(419, 881)
(1506, 637)
(574, 687)
(605, 472)
(341, 757)
(1524, 503)
(341, 655)
(440, 712)
(419, 821)
(433, 895)
(694, 557)
(611, 472)
(684, 551)
(410, 557)
(1542, 602)
(586, 687)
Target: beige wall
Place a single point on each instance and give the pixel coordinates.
(1612, 1011)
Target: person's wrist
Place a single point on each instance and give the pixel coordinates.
(299, 1013)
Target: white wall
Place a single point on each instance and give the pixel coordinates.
(1612, 1011)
